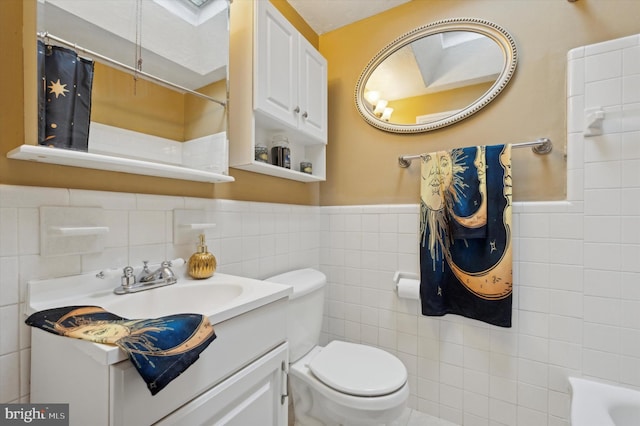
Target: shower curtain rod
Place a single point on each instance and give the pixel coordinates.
(540, 146)
(131, 70)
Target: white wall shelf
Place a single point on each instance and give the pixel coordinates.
(72, 230)
(281, 172)
(78, 230)
(87, 160)
(188, 223)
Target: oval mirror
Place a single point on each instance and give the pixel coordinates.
(436, 75)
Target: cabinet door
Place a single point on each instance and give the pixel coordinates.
(256, 395)
(276, 67)
(312, 91)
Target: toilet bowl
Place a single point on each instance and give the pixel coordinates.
(341, 383)
(345, 399)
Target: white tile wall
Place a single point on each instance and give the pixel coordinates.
(251, 239)
(576, 268)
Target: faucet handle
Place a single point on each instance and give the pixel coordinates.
(127, 279)
(177, 262)
(165, 269)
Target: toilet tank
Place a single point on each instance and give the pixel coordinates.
(305, 309)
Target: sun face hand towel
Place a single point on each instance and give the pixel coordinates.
(468, 200)
(160, 349)
(465, 253)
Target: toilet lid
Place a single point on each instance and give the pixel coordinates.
(358, 369)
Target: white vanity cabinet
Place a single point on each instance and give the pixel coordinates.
(289, 96)
(240, 379)
(290, 75)
(256, 395)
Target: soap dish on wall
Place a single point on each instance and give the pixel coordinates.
(72, 230)
(188, 224)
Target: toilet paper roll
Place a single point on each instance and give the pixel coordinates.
(409, 289)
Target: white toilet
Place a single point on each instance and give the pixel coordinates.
(341, 383)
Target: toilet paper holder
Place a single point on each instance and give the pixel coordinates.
(399, 274)
(407, 285)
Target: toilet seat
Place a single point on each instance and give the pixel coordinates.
(358, 370)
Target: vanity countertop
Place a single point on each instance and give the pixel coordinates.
(220, 298)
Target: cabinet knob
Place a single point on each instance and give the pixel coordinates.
(305, 115)
(297, 109)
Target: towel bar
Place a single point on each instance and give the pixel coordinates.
(541, 146)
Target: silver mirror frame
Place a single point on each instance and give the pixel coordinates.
(496, 33)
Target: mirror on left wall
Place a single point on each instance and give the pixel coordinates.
(159, 85)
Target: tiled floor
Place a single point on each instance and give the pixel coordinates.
(409, 418)
(416, 418)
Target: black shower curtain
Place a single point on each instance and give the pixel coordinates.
(64, 98)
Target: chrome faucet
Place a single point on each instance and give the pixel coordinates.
(162, 274)
(146, 280)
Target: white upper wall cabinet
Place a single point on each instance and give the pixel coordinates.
(290, 75)
(276, 66)
(312, 90)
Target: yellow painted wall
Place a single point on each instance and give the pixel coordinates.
(202, 117)
(362, 161)
(141, 106)
(406, 110)
(138, 105)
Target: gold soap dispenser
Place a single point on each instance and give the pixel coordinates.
(202, 264)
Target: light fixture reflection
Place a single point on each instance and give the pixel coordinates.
(380, 106)
(372, 96)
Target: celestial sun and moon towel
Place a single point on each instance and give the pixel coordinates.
(160, 349)
(465, 229)
(65, 82)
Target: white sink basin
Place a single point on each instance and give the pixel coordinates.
(220, 298)
(599, 404)
(192, 297)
